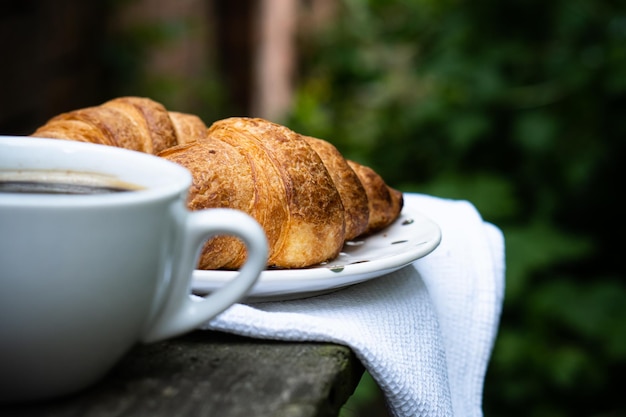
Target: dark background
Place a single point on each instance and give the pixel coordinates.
(516, 106)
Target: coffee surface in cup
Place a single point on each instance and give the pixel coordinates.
(61, 182)
(42, 187)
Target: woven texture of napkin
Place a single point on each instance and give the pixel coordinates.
(425, 332)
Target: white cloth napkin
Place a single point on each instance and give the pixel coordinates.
(425, 332)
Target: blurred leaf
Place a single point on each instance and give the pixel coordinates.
(492, 195)
(536, 246)
(594, 310)
(535, 131)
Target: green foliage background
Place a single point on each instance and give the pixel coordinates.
(516, 106)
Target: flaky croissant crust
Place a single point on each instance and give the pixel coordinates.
(306, 196)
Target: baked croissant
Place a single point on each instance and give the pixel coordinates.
(306, 196)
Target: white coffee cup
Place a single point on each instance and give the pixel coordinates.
(83, 278)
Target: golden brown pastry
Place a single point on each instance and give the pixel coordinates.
(312, 227)
(188, 127)
(385, 203)
(351, 190)
(306, 196)
(222, 178)
(134, 123)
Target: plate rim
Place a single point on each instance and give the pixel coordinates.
(277, 282)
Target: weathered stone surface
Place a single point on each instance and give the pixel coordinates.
(215, 374)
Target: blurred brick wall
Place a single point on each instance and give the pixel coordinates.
(54, 53)
(50, 60)
(173, 46)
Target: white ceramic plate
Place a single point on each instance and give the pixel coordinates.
(409, 238)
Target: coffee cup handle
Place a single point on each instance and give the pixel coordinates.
(180, 312)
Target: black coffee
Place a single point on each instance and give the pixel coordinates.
(34, 181)
(43, 187)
